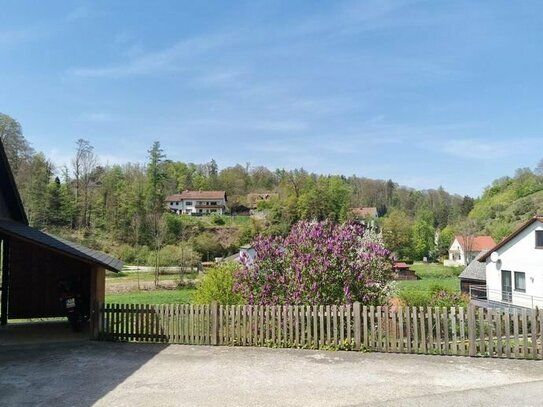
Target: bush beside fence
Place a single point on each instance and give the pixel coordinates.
(471, 331)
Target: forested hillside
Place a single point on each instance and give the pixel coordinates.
(509, 202)
(120, 208)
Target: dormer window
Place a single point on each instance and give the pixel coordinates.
(539, 239)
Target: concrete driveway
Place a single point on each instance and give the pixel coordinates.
(109, 374)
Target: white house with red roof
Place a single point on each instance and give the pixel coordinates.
(464, 249)
(365, 213)
(197, 202)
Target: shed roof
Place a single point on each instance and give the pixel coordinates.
(401, 265)
(22, 231)
(475, 270)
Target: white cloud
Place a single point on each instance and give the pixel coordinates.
(177, 57)
(225, 77)
(487, 149)
(242, 123)
(278, 125)
(60, 158)
(14, 37)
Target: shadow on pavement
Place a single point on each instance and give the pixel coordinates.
(25, 333)
(67, 373)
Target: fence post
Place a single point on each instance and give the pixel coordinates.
(95, 320)
(357, 326)
(471, 330)
(214, 323)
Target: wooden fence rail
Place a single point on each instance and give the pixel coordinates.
(503, 333)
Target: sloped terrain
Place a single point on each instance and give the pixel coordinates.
(508, 203)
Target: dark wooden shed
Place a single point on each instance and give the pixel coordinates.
(34, 262)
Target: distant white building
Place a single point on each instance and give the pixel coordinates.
(464, 249)
(366, 216)
(365, 213)
(514, 268)
(246, 253)
(197, 202)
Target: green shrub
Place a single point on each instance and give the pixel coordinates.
(217, 219)
(141, 255)
(436, 288)
(174, 227)
(111, 274)
(446, 298)
(415, 298)
(170, 255)
(436, 296)
(208, 245)
(132, 255)
(126, 253)
(218, 285)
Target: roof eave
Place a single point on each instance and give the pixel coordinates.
(114, 265)
(15, 190)
(511, 237)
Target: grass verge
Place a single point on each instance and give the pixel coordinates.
(432, 274)
(179, 296)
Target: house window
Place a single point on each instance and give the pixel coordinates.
(520, 281)
(539, 239)
(188, 203)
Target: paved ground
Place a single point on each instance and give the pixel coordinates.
(41, 332)
(109, 374)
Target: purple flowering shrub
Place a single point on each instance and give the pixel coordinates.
(317, 263)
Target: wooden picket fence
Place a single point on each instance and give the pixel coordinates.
(471, 331)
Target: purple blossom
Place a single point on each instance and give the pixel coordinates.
(317, 263)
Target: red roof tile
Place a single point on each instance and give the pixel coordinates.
(365, 212)
(197, 195)
(478, 243)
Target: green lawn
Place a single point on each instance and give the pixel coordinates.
(435, 270)
(431, 274)
(450, 283)
(180, 296)
(145, 276)
(233, 220)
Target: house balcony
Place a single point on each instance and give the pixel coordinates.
(209, 206)
(482, 296)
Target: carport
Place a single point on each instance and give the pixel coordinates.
(34, 262)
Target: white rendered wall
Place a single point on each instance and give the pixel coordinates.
(456, 247)
(182, 207)
(521, 255)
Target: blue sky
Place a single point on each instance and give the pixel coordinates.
(426, 93)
